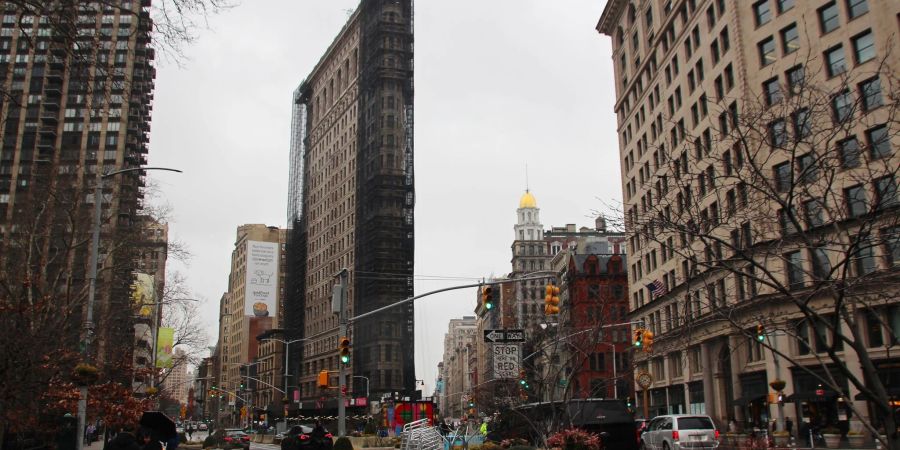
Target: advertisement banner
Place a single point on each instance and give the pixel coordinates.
(260, 299)
(165, 338)
(143, 293)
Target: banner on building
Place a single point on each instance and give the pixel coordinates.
(143, 293)
(261, 292)
(165, 339)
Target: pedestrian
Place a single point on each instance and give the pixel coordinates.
(125, 439)
(190, 432)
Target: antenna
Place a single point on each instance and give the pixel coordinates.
(526, 176)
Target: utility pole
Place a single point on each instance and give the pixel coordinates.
(339, 296)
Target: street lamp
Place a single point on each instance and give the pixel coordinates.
(88, 325)
(287, 345)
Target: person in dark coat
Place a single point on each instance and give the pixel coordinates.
(124, 440)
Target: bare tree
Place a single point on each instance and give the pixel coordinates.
(784, 218)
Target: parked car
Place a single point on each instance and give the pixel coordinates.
(203, 426)
(679, 432)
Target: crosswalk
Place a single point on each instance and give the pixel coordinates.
(257, 446)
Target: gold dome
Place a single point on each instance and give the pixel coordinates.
(527, 201)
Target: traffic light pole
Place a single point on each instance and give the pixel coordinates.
(342, 372)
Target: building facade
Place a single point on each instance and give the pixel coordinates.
(250, 307)
(757, 157)
(352, 202)
(67, 117)
(459, 342)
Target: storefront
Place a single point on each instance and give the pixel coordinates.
(658, 406)
(697, 400)
(819, 406)
(754, 399)
(889, 373)
(676, 399)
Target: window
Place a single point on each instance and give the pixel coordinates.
(802, 338)
(807, 171)
(864, 47)
(821, 266)
(828, 18)
(864, 257)
(849, 149)
(795, 79)
(790, 39)
(762, 12)
(794, 268)
(871, 94)
(885, 192)
(777, 133)
(879, 141)
(813, 213)
(873, 329)
(802, 126)
(766, 51)
(856, 8)
(786, 221)
(856, 200)
(834, 57)
(784, 5)
(842, 106)
(782, 177)
(772, 90)
(891, 238)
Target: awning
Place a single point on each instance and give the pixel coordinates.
(893, 392)
(747, 400)
(810, 397)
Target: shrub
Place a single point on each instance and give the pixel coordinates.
(574, 439)
(342, 443)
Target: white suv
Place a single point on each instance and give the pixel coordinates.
(680, 432)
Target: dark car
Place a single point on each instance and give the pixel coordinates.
(307, 437)
(233, 438)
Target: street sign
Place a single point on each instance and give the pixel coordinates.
(506, 360)
(517, 335)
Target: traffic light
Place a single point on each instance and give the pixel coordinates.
(242, 385)
(639, 337)
(648, 341)
(487, 297)
(344, 349)
(471, 403)
(760, 333)
(322, 379)
(522, 380)
(551, 300)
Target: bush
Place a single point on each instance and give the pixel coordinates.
(522, 447)
(342, 443)
(574, 439)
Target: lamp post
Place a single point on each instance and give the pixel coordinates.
(287, 345)
(88, 324)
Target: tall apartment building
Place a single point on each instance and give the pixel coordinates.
(758, 148)
(250, 306)
(68, 116)
(352, 201)
(459, 349)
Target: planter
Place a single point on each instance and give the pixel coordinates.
(832, 440)
(782, 440)
(856, 440)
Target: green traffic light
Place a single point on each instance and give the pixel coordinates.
(522, 382)
(488, 305)
(345, 359)
(760, 338)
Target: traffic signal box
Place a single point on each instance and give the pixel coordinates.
(487, 297)
(551, 300)
(322, 379)
(643, 340)
(760, 333)
(344, 349)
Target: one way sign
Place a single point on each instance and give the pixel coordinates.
(511, 335)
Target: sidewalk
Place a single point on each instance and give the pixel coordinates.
(96, 445)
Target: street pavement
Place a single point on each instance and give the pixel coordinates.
(255, 446)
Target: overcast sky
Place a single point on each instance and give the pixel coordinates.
(499, 84)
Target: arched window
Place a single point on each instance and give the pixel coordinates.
(632, 14)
